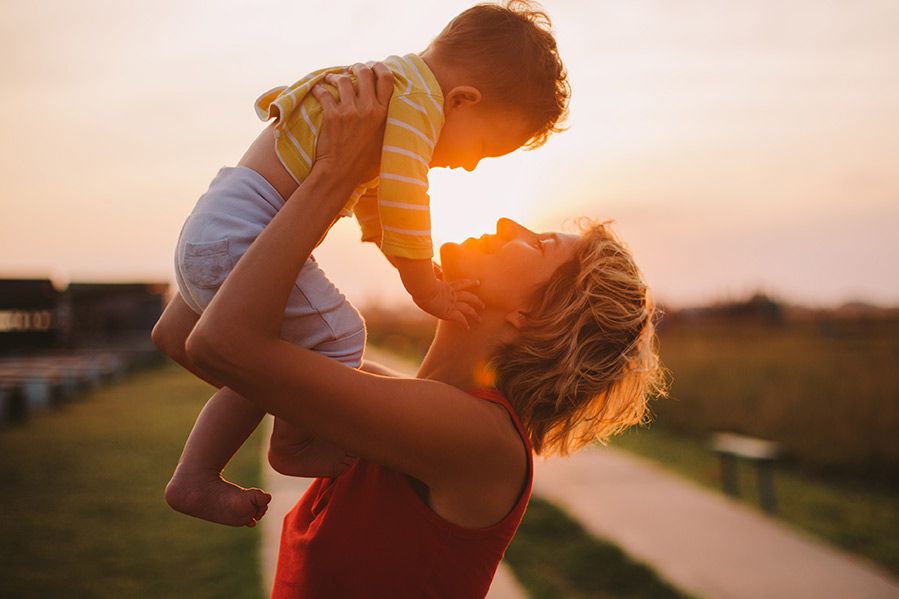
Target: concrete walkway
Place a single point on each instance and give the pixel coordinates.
(287, 490)
(700, 541)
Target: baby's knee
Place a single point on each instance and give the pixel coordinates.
(285, 434)
(284, 445)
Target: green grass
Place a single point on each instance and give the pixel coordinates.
(827, 391)
(553, 556)
(83, 511)
(860, 518)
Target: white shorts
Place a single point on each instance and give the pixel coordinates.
(227, 218)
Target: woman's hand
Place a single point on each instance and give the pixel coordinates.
(253, 298)
(353, 124)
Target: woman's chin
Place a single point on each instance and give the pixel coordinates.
(450, 260)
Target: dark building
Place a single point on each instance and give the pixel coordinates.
(117, 313)
(28, 314)
(35, 315)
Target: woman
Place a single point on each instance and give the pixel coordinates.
(562, 353)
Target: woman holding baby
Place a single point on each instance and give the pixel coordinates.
(562, 353)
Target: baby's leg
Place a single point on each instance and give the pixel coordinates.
(318, 317)
(295, 452)
(197, 487)
(228, 217)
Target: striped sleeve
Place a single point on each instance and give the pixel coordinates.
(265, 105)
(366, 211)
(413, 122)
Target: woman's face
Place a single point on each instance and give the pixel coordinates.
(510, 264)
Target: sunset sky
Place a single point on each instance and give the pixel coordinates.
(738, 146)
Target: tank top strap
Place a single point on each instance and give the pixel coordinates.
(494, 396)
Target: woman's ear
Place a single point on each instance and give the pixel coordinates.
(462, 95)
(517, 318)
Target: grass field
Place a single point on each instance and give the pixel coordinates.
(827, 391)
(83, 512)
(553, 556)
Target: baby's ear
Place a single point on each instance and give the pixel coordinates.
(462, 95)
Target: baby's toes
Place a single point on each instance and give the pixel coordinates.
(259, 497)
(260, 501)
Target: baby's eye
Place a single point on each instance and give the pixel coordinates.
(538, 243)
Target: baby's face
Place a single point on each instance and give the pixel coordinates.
(473, 132)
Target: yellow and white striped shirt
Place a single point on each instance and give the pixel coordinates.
(393, 209)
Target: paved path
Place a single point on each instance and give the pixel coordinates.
(286, 491)
(701, 541)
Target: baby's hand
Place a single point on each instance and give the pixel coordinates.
(452, 301)
(438, 270)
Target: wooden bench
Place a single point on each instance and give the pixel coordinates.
(731, 448)
(43, 386)
(39, 382)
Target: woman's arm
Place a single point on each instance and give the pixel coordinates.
(427, 429)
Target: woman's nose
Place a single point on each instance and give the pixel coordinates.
(507, 228)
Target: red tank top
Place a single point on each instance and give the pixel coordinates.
(367, 533)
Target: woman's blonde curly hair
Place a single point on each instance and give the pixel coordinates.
(586, 361)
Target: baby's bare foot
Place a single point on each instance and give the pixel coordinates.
(205, 494)
(310, 457)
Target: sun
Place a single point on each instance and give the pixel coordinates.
(467, 204)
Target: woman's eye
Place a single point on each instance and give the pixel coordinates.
(538, 243)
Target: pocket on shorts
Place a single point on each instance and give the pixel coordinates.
(206, 265)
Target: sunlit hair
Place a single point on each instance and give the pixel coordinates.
(511, 55)
(586, 361)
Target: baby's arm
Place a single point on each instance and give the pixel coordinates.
(418, 276)
(447, 301)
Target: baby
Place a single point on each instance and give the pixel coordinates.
(489, 83)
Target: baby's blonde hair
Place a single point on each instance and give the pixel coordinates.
(586, 361)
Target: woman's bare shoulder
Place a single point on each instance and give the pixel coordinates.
(494, 473)
(461, 435)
